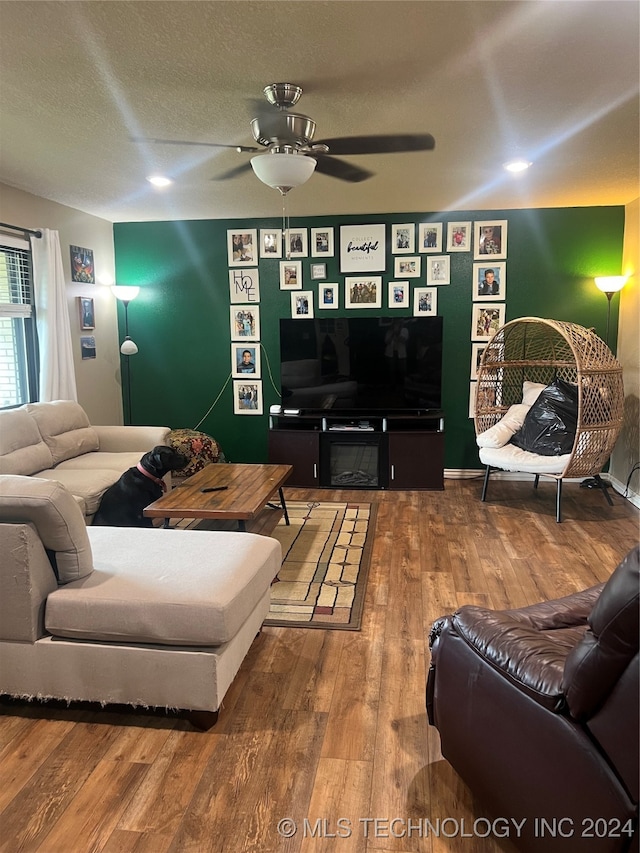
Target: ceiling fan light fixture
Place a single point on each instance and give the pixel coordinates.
(159, 180)
(283, 171)
(518, 165)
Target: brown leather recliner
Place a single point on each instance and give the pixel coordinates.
(537, 710)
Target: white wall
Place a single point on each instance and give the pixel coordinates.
(98, 379)
(627, 450)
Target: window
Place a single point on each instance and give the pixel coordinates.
(18, 342)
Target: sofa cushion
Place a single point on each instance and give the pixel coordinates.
(65, 428)
(22, 450)
(499, 434)
(57, 517)
(89, 486)
(99, 461)
(172, 587)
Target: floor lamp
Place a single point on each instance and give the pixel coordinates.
(125, 294)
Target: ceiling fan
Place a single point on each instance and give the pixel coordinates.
(291, 155)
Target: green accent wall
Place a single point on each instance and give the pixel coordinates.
(181, 324)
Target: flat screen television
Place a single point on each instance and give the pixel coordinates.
(360, 365)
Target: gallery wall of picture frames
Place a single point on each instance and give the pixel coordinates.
(400, 266)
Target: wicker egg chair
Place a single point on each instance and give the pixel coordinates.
(537, 350)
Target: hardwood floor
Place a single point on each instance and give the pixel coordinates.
(327, 727)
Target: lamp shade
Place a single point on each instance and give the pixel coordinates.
(283, 171)
(128, 347)
(125, 292)
(610, 283)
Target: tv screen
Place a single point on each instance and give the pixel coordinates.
(364, 364)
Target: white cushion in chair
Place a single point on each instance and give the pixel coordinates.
(511, 458)
(499, 434)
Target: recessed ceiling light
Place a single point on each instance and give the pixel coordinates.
(159, 180)
(517, 165)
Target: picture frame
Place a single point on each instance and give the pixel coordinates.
(322, 243)
(87, 347)
(243, 365)
(476, 355)
(86, 312)
(399, 294)
(244, 322)
(82, 265)
(363, 291)
(302, 304)
(296, 243)
(242, 247)
(489, 281)
(318, 271)
(490, 239)
(459, 236)
(425, 301)
(290, 275)
(270, 242)
(486, 319)
(473, 387)
(407, 267)
(328, 295)
(403, 239)
(430, 237)
(244, 285)
(247, 397)
(362, 248)
(438, 269)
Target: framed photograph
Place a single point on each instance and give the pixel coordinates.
(489, 281)
(473, 386)
(244, 286)
(245, 360)
(403, 239)
(430, 237)
(87, 315)
(302, 303)
(290, 275)
(245, 322)
(409, 267)
(242, 248)
(425, 301)
(322, 242)
(88, 347)
(490, 239)
(247, 397)
(318, 271)
(476, 355)
(328, 295)
(362, 248)
(82, 268)
(270, 243)
(459, 236)
(363, 292)
(486, 320)
(399, 294)
(295, 240)
(439, 269)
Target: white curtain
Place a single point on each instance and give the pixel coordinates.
(57, 374)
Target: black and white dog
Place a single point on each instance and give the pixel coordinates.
(122, 504)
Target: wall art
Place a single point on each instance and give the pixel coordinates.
(489, 281)
(290, 275)
(322, 242)
(328, 295)
(242, 248)
(244, 285)
(318, 271)
(245, 322)
(245, 360)
(295, 243)
(363, 292)
(459, 235)
(247, 397)
(399, 294)
(438, 269)
(82, 268)
(88, 347)
(270, 243)
(425, 301)
(362, 248)
(430, 237)
(476, 356)
(403, 239)
(486, 320)
(302, 303)
(409, 267)
(87, 314)
(490, 239)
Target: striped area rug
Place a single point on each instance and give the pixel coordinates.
(326, 552)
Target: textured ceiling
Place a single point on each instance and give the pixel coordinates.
(554, 81)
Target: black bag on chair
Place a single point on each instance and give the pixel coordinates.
(549, 428)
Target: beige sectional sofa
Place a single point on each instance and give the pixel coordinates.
(55, 441)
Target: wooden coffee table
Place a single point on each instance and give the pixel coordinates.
(224, 491)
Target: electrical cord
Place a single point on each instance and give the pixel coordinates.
(635, 468)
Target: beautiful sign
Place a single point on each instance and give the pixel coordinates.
(362, 248)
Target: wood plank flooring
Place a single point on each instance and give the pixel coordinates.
(327, 728)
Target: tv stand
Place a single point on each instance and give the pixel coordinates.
(367, 451)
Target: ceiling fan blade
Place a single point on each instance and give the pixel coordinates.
(346, 145)
(233, 173)
(238, 148)
(341, 169)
